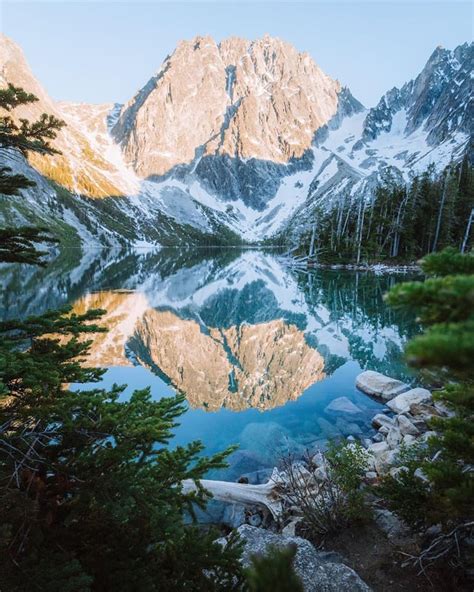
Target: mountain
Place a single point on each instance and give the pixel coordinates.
(240, 100)
(231, 141)
(87, 195)
(235, 119)
(426, 122)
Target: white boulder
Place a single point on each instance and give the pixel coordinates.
(379, 385)
(401, 403)
(408, 440)
(317, 571)
(406, 426)
(378, 448)
(394, 437)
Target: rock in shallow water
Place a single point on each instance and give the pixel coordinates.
(342, 405)
(316, 572)
(379, 385)
(402, 403)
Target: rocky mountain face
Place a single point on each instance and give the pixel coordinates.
(235, 118)
(87, 195)
(247, 100)
(438, 100)
(83, 167)
(232, 141)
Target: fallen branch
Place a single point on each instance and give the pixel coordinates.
(442, 546)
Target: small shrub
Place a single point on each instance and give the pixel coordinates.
(274, 572)
(405, 494)
(334, 498)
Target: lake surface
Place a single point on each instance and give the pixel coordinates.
(263, 353)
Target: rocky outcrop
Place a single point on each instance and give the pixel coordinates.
(245, 99)
(438, 100)
(318, 571)
(415, 396)
(413, 410)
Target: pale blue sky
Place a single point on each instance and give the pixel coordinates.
(100, 51)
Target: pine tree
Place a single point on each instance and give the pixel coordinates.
(444, 304)
(18, 245)
(90, 489)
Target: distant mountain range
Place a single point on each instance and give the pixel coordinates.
(229, 142)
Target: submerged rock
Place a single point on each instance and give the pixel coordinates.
(342, 405)
(379, 385)
(318, 571)
(347, 428)
(234, 515)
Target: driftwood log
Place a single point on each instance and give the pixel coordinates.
(265, 495)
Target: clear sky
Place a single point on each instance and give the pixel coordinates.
(101, 51)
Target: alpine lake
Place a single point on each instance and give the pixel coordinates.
(266, 355)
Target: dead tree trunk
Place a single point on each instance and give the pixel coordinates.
(226, 491)
(311, 245)
(440, 212)
(360, 229)
(468, 231)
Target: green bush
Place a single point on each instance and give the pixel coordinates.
(406, 494)
(274, 572)
(335, 499)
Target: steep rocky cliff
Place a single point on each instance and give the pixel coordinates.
(243, 99)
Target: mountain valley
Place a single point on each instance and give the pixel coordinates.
(232, 142)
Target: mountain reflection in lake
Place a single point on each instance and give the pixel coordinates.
(260, 351)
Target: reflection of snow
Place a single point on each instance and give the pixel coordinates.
(194, 287)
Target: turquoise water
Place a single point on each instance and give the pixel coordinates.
(259, 350)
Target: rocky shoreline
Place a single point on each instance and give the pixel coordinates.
(265, 518)
(377, 268)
